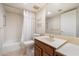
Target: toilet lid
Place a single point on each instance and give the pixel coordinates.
(28, 43)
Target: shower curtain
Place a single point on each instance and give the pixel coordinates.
(27, 31)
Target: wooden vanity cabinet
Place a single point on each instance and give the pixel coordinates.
(45, 54)
(37, 51)
(43, 49)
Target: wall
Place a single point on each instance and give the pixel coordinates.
(77, 23)
(53, 24)
(13, 27)
(65, 23)
(10, 28)
(40, 21)
(33, 21)
(70, 39)
(2, 12)
(68, 23)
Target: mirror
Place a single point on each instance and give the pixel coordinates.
(63, 19)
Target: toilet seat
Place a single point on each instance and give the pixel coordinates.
(28, 43)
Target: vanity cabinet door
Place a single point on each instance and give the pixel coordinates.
(43, 49)
(49, 50)
(37, 51)
(45, 54)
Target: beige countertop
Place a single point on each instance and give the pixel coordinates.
(69, 49)
(54, 42)
(62, 46)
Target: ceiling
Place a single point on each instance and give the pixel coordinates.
(28, 6)
(53, 8)
(13, 10)
(57, 8)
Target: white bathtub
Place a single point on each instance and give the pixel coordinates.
(11, 46)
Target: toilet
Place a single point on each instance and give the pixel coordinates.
(27, 47)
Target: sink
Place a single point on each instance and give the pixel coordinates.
(58, 42)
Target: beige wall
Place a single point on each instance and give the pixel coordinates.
(40, 21)
(2, 12)
(11, 32)
(33, 22)
(13, 27)
(66, 23)
(53, 24)
(77, 23)
(70, 39)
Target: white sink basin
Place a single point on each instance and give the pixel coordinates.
(58, 42)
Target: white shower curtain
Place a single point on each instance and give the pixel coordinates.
(27, 30)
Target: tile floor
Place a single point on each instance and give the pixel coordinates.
(20, 52)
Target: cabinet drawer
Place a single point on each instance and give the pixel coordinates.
(37, 51)
(40, 44)
(48, 49)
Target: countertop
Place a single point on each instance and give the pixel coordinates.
(62, 46)
(69, 49)
(54, 42)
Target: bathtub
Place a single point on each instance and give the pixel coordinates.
(12, 46)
